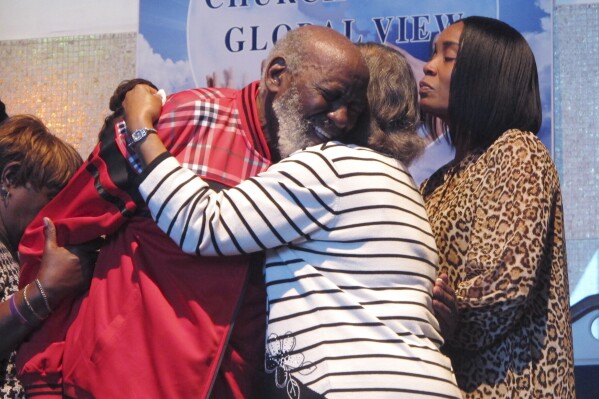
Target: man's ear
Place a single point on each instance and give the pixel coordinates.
(274, 71)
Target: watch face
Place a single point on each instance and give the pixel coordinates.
(138, 135)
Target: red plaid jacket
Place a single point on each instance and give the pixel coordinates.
(156, 323)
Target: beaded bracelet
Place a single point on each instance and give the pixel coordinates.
(36, 314)
(39, 285)
(15, 311)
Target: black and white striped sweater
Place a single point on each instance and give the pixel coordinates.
(350, 264)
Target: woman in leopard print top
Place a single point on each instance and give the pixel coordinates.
(34, 166)
(496, 212)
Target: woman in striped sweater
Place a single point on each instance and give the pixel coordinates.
(350, 257)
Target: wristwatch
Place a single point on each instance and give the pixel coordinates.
(138, 135)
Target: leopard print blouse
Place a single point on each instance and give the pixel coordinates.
(498, 222)
(9, 279)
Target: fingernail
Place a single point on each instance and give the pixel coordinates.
(46, 222)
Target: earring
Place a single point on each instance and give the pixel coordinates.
(5, 194)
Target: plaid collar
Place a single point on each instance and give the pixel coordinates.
(231, 110)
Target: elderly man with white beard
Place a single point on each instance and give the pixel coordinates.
(154, 324)
(350, 260)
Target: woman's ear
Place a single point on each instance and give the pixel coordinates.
(7, 178)
(274, 71)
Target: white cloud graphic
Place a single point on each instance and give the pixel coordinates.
(566, 2)
(164, 73)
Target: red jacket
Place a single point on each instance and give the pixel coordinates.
(156, 323)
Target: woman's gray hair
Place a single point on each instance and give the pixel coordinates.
(394, 113)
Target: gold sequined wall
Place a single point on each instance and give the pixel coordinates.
(66, 81)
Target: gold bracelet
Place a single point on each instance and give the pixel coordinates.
(36, 314)
(39, 286)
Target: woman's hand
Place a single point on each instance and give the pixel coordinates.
(65, 273)
(142, 107)
(445, 307)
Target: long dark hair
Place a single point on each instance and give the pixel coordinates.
(494, 85)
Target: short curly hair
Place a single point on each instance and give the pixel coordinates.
(391, 125)
(45, 161)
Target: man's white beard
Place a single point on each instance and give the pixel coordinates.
(293, 127)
